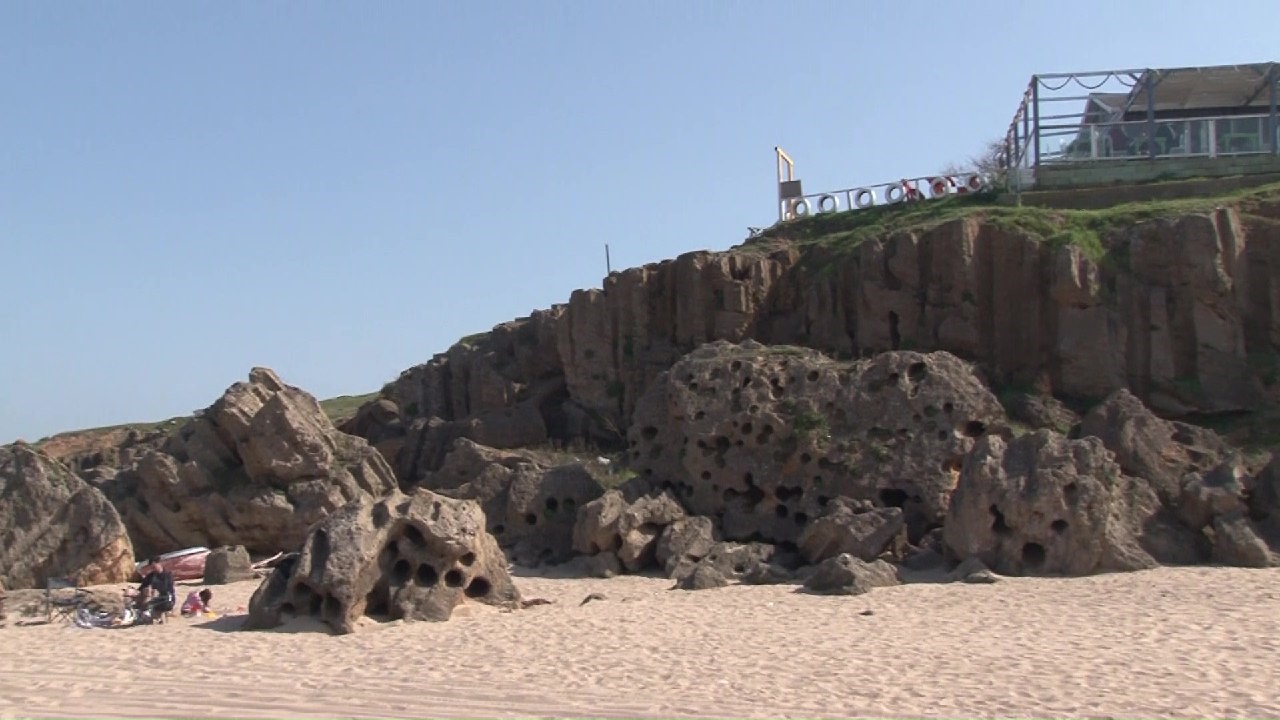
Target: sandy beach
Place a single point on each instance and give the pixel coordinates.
(1187, 642)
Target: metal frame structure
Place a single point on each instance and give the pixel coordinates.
(1197, 109)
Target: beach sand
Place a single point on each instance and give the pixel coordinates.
(1186, 642)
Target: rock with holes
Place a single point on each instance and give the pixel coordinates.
(856, 528)
(1264, 502)
(227, 565)
(257, 468)
(1043, 504)
(848, 575)
(1040, 412)
(531, 507)
(763, 437)
(1146, 446)
(684, 542)
(53, 524)
(749, 563)
(629, 529)
(415, 557)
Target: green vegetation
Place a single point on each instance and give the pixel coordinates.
(344, 407)
(1087, 229)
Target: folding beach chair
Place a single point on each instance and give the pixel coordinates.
(62, 597)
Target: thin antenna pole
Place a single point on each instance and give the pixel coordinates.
(608, 268)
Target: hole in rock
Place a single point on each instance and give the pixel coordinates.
(892, 379)
(478, 587)
(553, 504)
(948, 408)
(706, 474)
(375, 603)
(1059, 526)
(1032, 555)
(316, 603)
(722, 443)
(998, 525)
(288, 609)
(617, 543)
(748, 478)
(730, 495)
(746, 428)
(414, 536)
(699, 415)
(426, 575)
(400, 571)
(530, 519)
(893, 497)
(895, 338)
(800, 518)
(754, 496)
(381, 516)
(693, 386)
(942, 434)
(974, 428)
(806, 458)
(453, 578)
(739, 568)
(649, 432)
(746, 380)
(735, 366)
(1071, 490)
(916, 372)
(469, 559)
(812, 376)
(332, 607)
(499, 529)
(570, 504)
(823, 500)
(319, 548)
(781, 511)
(930, 411)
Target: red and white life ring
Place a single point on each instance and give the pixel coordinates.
(938, 186)
(974, 183)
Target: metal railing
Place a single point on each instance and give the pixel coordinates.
(1193, 137)
(886, 193)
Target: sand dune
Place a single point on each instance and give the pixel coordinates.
(1191, 642)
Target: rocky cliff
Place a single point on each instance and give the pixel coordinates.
(1175, 302)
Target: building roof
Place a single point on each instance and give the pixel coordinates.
(1205, 87)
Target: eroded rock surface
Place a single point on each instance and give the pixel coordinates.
(415, 557)
(53, 524)
(1043, 504)
(762, 439)
(257, 468)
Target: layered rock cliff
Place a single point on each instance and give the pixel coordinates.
(1178, 304)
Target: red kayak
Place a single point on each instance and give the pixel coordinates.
(186, 564)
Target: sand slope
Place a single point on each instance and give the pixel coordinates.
(1191, 642)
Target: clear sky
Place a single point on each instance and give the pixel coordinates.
(340, 190)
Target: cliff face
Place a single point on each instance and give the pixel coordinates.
(1183, 310)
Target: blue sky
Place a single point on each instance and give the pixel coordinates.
(341, 190)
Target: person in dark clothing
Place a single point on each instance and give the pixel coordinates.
(156, 594)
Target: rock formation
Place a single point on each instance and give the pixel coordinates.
(1043, 504)
(53, 524)
(762, 439)
(625, 527)
(256, 468)
(531, 508)
(415, 557)
(1171, 311)
(227, 565)
(845, 574)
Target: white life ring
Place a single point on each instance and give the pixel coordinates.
(801, 203)
(863, 198)
(822, 204)
(974, 183)
(889, 197)
(938, 186)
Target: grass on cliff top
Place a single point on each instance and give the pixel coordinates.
(1060, 227)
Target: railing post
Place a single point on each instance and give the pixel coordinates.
(1093, 142)
(1271, 121)
(1035, 119)
(1151, 114)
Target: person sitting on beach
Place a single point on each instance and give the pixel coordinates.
(197, 602)
(156, 594)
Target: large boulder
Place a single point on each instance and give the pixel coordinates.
(54, 524)
(627, 528)
(413, 557)
(227, 565)
(856, 528)
(1146, 446)
(1043, 504)
(729, 562)
(763, 437)
(684, 542)
(531, 507)
(845, 574)
(257, 468)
